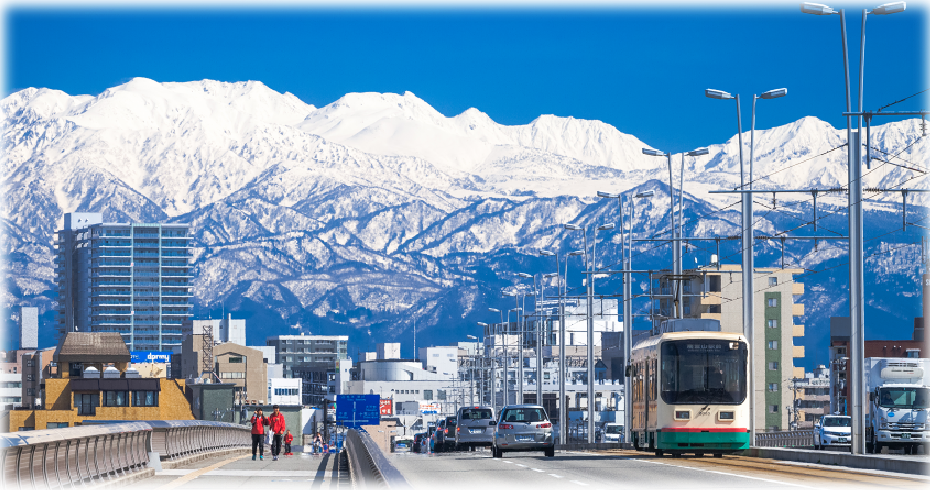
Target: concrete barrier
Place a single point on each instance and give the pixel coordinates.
(881, 462)
(595, 446)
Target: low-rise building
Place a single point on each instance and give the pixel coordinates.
(242, 366)
(285, 391)
(812, 398)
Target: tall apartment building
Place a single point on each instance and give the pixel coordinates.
(131, 278)
(716, 294)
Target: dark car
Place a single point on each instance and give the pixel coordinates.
(439, 437)
(449, 439)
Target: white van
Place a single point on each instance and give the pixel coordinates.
(612, 432)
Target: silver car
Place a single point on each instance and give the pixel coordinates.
(523, 428)
(474, 427)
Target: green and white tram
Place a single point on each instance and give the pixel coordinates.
(689, 390)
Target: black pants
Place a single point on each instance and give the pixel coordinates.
(258, 441)
(287, 448)
(276, 444)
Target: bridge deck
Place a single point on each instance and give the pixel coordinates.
(304, 471)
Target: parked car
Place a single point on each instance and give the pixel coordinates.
(612, 432)
(449, 436)
(523, 428)
(439, 437)
(832, 430)
(418, 442)
(474, 428)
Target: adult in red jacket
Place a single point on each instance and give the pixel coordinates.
(258, 422)
(288, 438)
(277, 426)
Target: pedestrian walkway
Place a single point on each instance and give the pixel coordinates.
(305, 471)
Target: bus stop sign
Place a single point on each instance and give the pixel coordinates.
(355, 410)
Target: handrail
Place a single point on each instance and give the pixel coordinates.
(368, 466)
(786, 438)
(90, 454)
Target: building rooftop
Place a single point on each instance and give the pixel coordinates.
(92, 347)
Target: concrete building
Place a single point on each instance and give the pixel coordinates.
(716, 294)
(134, 279)
(304, 350)
(35, 366)
(28, 328)
(389, 351)
(239, 365)
(11, 385)
(812, 398)
(285, 391)
(441, 360)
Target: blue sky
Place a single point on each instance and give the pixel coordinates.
(643, 71)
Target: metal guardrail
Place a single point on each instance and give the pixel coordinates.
(95, 454)
(368, 466)
(787, 438)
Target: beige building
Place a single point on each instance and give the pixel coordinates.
(716, 294)
(813, 397)
(243, 366)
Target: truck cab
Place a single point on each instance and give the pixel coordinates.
(898, 401)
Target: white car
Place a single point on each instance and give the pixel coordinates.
(832, 430)
(613, 432)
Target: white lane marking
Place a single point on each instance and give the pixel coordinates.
(555, 475)
(727, 474)
(578, 483)
(508, 462)
(537, 470)
(518, 464)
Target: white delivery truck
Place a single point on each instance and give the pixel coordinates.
(897, 390)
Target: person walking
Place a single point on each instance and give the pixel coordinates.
(276, 427)
(317, 443)
(288, 438)
(258, 422)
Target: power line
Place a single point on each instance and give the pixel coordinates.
(901, 100)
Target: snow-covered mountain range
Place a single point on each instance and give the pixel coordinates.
(376, 212)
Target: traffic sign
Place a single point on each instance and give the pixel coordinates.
(356, 410)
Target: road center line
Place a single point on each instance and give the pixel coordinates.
(578, 483)
(537, 470)
(727, 474)
(555, 475)
(518, 464)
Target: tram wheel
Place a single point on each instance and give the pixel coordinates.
(699, 455)
(658, 453)
(718, 455)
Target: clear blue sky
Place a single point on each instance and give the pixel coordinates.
(643, 71)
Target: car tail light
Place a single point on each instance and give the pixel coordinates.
(546, 425)
(506, 426)
(457, 430)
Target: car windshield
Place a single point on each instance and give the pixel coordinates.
(450, 422)
(614, 429)
(476, 413)
(836, 422)
(704, 371)
(903, 397)
(523, 415)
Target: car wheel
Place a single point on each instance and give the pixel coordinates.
(549, 452)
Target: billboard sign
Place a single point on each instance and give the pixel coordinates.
(429, 408)
(357, 410)
(386, 406)
(138, 357)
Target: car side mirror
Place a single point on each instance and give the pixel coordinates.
(492, 423)
(872, 396)
(627, 371)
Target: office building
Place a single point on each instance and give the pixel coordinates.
(242, 366)
(299, 350)
(134, 279)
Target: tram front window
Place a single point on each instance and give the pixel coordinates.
(704, 372)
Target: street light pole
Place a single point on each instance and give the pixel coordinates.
(561, 376)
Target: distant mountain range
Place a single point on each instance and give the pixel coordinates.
(376, 213)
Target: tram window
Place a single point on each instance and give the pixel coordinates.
(703, 371)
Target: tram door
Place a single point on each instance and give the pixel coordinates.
(647, 374)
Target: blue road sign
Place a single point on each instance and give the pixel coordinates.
(356, 410)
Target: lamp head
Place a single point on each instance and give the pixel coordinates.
(817, 9)
(698, 152)
(774, 94)
(577, 252)
(609, 226)
(717, 94)
(608, 195)
(482, 324)
(508, 293)
(554, 274)
(547, 253)
(653, 153)
(494, 310)
(644, 194)
(570, 226)
(524, 275)
(889, 8)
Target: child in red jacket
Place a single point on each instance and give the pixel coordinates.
(288, 438)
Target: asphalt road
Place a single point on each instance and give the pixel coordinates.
(568, 470)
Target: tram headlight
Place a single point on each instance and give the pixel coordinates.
(683, 415)
(726, 416)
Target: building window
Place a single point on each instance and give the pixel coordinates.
(773, 344)
(914, 353)
(56, 425)
(30, 392)
(416, 392)
(714, 308)
(772, 323)
(774, 409)
(773, 281)
(714, 284)
(115, 398)
(773, 387)
(235, 360)
(773, 366)
(440, 394)
(145, 398)
(87, 403)
(772, 302)
(427, 394)
(30, 363)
